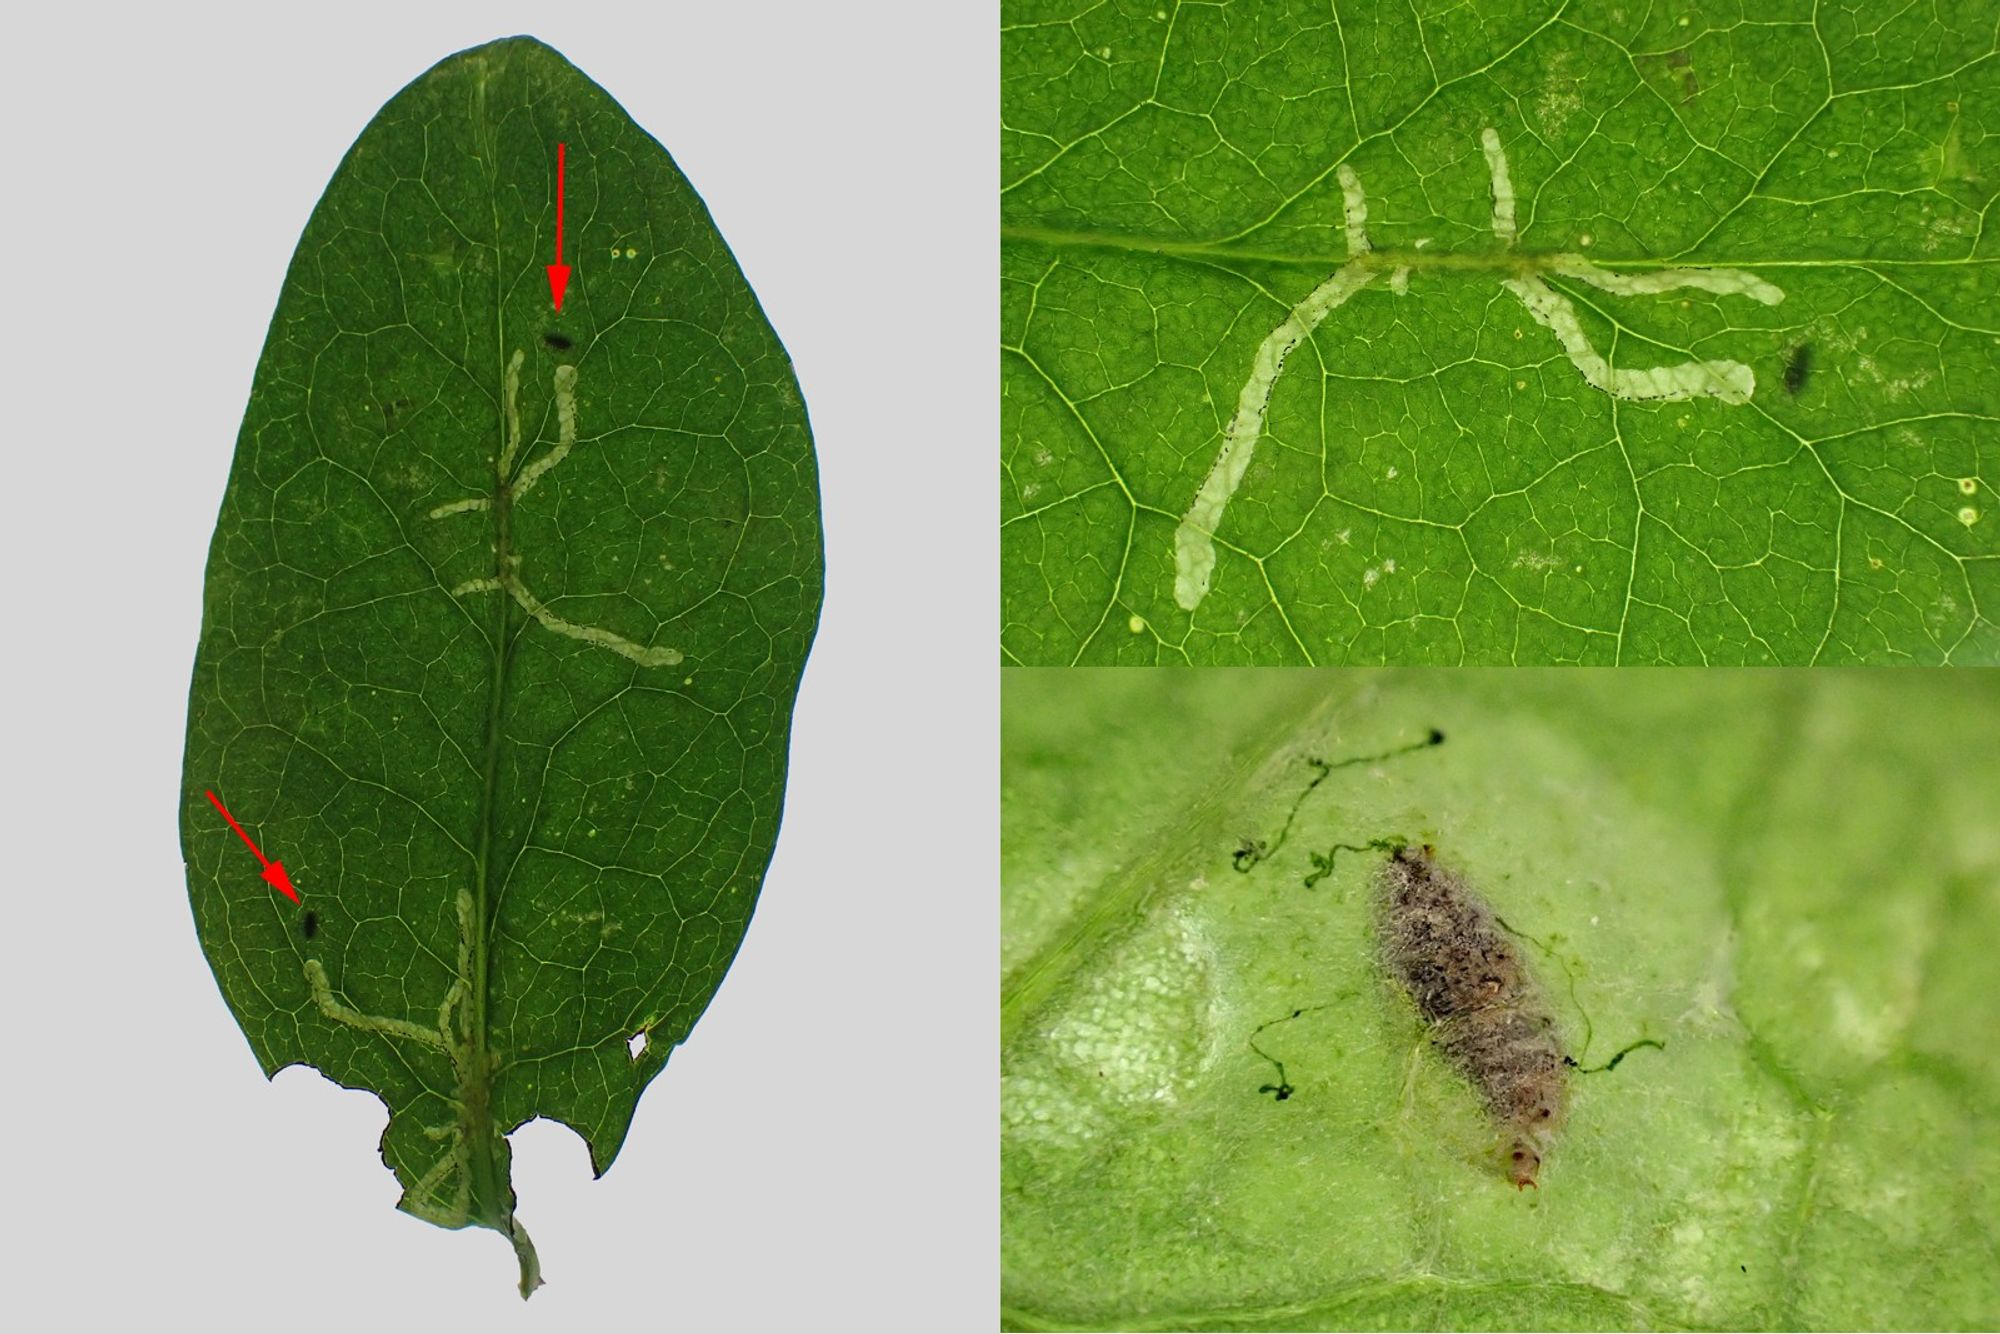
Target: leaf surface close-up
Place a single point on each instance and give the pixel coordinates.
(1760, 909)
(505, 614)
(1527, 333)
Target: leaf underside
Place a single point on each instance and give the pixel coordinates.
(504, 619)
(1436, 479)
(1788, 882)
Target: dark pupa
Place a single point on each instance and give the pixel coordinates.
(310, 926)
(1797, 367)
(1446, 950)
(557, 342)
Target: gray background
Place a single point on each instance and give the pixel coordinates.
(821, 1152)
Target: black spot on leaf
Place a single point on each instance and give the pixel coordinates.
(1797, 367)
(392, 412)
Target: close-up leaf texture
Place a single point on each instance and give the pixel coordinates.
(1759, 909)
(1520, 333)
(505, 615)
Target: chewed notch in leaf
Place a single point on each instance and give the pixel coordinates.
(503, 626)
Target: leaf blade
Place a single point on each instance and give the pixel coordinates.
(1439, 479)
(505, 615)
(1820, 1117)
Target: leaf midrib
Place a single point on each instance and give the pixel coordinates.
(1060, 238)
(475, 1073)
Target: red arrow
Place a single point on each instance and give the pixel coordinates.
(273, 871)
(559, 271)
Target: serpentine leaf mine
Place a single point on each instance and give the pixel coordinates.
(1728, 381)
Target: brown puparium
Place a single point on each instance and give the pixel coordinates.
(1444, 947)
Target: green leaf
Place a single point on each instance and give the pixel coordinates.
(504, 621)
(1791, 881)
(1287, 379)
